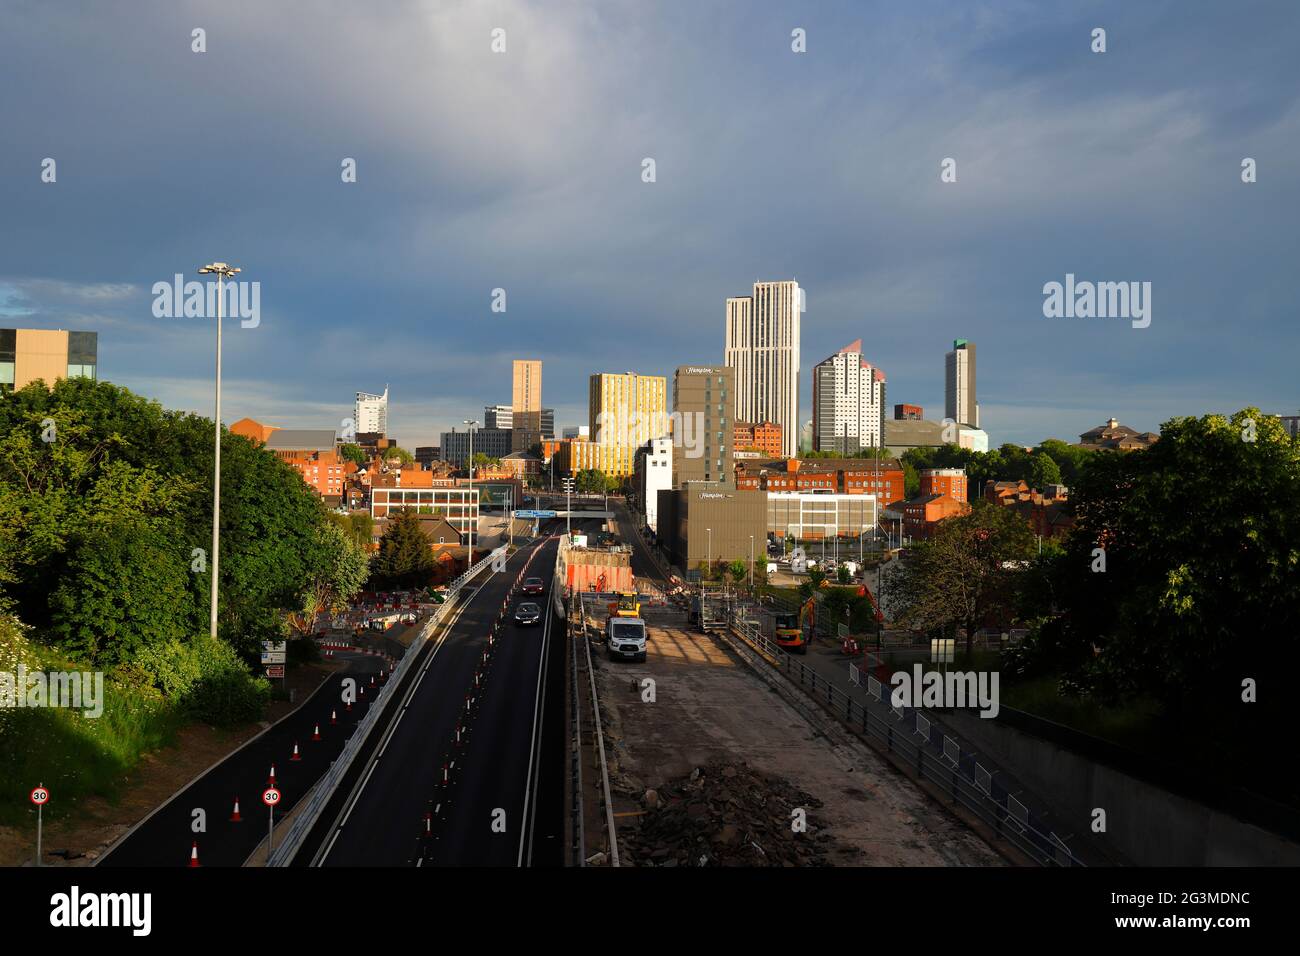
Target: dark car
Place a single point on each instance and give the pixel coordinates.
(533, 586)
(528, 614)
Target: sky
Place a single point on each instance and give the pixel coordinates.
(522, 170)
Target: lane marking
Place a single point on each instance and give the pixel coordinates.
(538, 716)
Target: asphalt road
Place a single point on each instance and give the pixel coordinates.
(165, 838)
(483, 816)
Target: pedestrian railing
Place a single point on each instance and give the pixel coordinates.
(323, 792)
(920, 743)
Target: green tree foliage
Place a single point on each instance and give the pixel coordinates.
(340, 570)
(592, 481)
(122, 467)
(1201, 541)
(399, 455)
(352, 453)
(965, 574)
(738, 570)
(404, 559)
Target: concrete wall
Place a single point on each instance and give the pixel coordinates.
(1148, 824)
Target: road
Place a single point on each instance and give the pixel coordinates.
(165, 838)
(489, 813)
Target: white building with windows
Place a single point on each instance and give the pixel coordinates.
(370, 414)
(762, 345)
(653, 473)
(803, 515)
(848, 402)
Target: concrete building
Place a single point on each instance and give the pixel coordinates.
(849, 476)
(626, 410)
(702, 521)
(762, 345)
(426, 455)
(370, 413)
(922, 514)
(493, 442)
(902, 435)
(652, 473)
(802, 517)
(498, 416)
(703, 424)
(459, 505)
(526, 404)
(959, 402)
(46, 354)
(848, 402)
(576, 431)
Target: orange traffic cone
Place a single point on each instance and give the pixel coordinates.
(270, 781)
(235, 817)
(334, 717)
(194, 855)
(316, 733)
(296, 755)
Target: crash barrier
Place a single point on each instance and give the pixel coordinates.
(324, 790)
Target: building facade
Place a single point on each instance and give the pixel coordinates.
(903, 413)
(498, 416)
(493, 442)
(652, 473)
(46, 354)
(703, 424)
(626, 411)
(459, 505)
(766, 438)
(959, 402)
(370, 413)
(848, 402)
(762, 345)
(948, 482)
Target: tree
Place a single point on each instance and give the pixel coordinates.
(341, 567)
(1199, 537)
(400, 455)
(842, 574)
(738, 570)
(964, 574)
(405, 558)
(352, 453)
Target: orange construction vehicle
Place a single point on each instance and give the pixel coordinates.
(790, 630)
(627, 605)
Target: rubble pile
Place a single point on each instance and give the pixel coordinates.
(725, 815)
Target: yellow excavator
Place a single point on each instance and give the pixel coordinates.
(627, 605)
(790, 626)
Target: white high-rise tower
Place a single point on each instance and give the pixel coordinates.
(371, 412)
(763, 347)
(848, 402)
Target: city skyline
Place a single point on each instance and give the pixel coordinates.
(455, 207)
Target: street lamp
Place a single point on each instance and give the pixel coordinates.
(751, 562)
(223, 272)
(568, 514)
(710, 531)
(473, 504)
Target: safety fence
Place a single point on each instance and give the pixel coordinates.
(922, 745)
(306, 817)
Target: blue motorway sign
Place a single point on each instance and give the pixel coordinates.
(535, 514)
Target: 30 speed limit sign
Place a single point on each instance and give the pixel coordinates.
(270, 796)
(40, 795)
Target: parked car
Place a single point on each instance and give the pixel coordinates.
(528, 613)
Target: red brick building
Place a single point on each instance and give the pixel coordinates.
(922, 514)
(847, 476)
(949, 482)
(765, 437)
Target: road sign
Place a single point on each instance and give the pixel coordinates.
(40, 795)
(534, 514)
(270, 796)
(273, 652)
(275, 670)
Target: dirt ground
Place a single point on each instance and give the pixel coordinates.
(710, 707)
(79, 839)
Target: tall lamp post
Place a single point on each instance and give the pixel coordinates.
(222, 272)
(568, 514)
(751, 562)
(473, 504)
(710, 531)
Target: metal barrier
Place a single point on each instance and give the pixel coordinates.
(323, 791)
(919, 743)
(600, 738)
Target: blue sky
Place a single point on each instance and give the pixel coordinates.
(522, 171)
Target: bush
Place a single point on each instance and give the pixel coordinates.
(206, 679)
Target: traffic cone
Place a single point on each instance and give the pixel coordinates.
(235, 817)
(194, 854)
(270, 781)
(315, 735)
(334, 717)
(296, 755)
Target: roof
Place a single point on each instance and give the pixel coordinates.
(301, 439)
